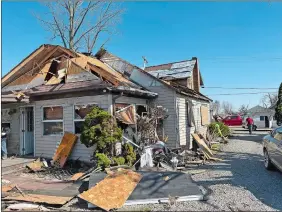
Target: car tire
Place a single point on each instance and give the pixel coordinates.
(267, 162)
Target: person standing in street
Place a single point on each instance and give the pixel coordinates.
(250, 123)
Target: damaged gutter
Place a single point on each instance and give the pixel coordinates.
(125, 90)
(133, 91)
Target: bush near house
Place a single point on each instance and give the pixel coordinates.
(100, 129)
(225, 130)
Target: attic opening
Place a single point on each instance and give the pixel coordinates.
(57, 71)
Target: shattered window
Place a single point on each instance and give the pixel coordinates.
(53, 113)
(52, 128)
(53, 120)
(80, 111)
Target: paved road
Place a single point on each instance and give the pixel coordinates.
(240, 183)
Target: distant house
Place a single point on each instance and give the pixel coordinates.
(263, 117)
(178, 86)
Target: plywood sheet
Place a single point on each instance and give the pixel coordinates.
(203, 146)
(205, 115)
(35, 165)
(37, 198)
(77, 176)
(64, 149)
(6, 188)
(113, 191)
(53, 81)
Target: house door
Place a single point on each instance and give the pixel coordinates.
(266, 119)
(27, 131)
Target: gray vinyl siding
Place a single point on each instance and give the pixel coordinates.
(46, 145)
(182, 120)
(13, 141)
(166, 98)
(131, 100)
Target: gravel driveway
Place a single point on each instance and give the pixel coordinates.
(240, 183)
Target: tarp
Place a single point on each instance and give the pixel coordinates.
(127, 115)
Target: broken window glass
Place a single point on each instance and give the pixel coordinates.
(52, 128)
(53, 120)
(80, 111)
(53, 113)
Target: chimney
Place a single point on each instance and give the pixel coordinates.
(196, 75)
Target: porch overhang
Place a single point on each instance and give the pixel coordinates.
(12, 98)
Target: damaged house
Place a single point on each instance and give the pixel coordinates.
(178, 86)
(51, 91)
(53, 88)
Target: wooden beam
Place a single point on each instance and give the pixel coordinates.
(106, 75)
(21, 64)
(45, 59)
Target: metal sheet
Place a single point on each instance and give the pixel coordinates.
(113, 191)
(154, 189)
(183, 64)
(177, 74)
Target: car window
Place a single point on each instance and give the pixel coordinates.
(278, 134)
(234, 117)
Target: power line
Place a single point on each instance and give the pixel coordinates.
(242, 88)
(231, 94)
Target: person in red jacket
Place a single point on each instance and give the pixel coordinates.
(250, 123)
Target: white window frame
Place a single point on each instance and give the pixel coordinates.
(77, 120)
(54, 120)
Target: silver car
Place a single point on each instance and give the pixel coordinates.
(272, 149)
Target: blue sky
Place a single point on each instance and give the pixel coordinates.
(238, 44)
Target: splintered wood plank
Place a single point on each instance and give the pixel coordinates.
(202, 145)
(65, 148)
(37, 198)
(77, 176)
(6, 188)
(113, 191)
(53, 81)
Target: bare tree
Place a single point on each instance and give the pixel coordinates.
(269, 100)
(243, 109)
(215, 107)
(227, 107)
(79, 24)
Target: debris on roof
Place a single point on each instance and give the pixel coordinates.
(179, 70)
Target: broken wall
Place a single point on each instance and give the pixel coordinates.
(166, 98)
